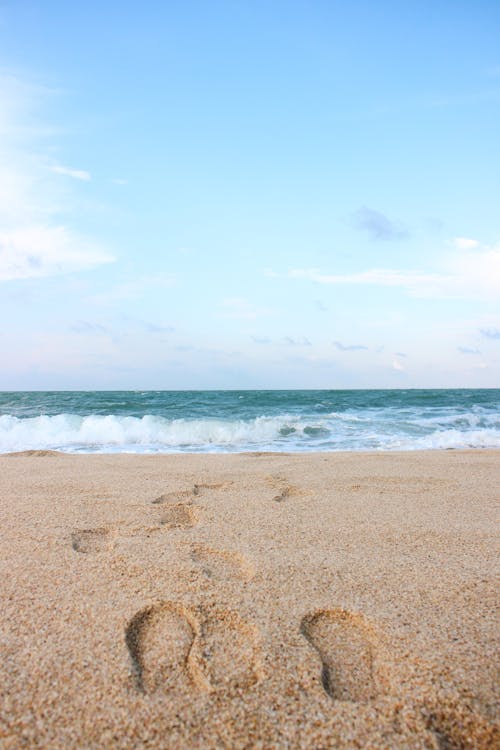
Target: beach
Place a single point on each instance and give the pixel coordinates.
(252, 600)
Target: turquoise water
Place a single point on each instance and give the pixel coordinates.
(234, 421)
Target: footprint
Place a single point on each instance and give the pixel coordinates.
(345, 644)
(220, 564)
(351, 671)
(178, 516)
(285, 490)
(456, 727)
(174, 647)
(160, 639)
(196, 490)
(171, 497)
(92, 540)
(229, 649)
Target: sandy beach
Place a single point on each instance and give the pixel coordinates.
(249, 601)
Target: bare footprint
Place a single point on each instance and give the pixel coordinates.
(229, 649)
(92, 540)
(178, 516)
(160, 639)
(173, 497)
(284, 489)
(345, 644)
(174, 647)
(196, 490)
(456, 727)
(220, 564)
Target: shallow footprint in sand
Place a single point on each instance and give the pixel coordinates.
(178, 516)
(456, 727)
(160, 640)
(196, 490)
(221, 565)
(229, 649)
(174, 647)
(283, 488)
(345, 644)
(92, 540)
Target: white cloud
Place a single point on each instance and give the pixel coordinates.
(35, 238)
(45, 251)
(270, 274)
(490, 333)
(396, 362)
(377, 225)
(471, 274)
(349, 347)
(76, 174)
(464, 243)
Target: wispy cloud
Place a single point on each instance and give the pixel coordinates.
(130, 322)
(285, 341)
(467, 350)
(155, 327)
(270, 274)
(263, 340)
(349, 347)
(397, 364)
(301, 341)
(76, 174)
(378, 225)
(87, 327)
(37, 251)
(465, 243)
(472, 273)
(36, 239)
(490, 333)
(320, 305)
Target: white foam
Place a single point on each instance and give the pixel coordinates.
(104, 434)
(446, 439)
(68, 431)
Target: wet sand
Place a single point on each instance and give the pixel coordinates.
(249, 601)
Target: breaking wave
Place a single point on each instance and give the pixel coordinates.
(366, 430)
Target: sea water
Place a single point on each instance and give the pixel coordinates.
(236, 421)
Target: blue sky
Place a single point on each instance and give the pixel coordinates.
(249, 194)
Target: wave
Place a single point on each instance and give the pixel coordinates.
(284, 432)
(447, 439)
(95, 432)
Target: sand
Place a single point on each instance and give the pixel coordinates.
(249, 601)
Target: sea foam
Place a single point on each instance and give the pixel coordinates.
(368, 430)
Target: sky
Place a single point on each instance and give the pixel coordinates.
(245, 194)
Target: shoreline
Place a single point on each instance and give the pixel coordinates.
(42, 452)
(335, 599)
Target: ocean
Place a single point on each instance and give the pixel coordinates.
(236, 421)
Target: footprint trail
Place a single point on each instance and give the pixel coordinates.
(174, 648)
(160, 640)
(220, 565)
(344, 642)
(92, 540)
